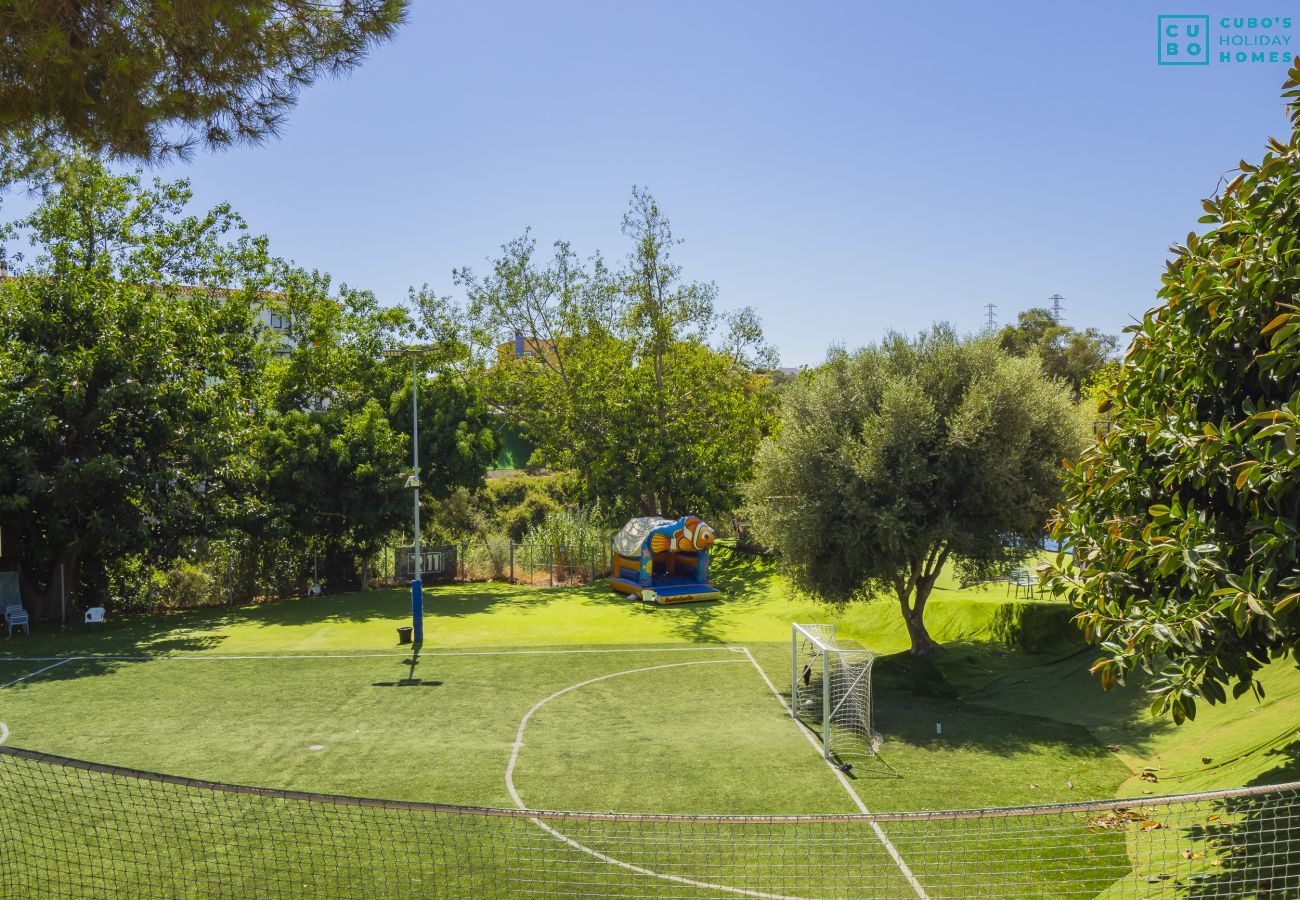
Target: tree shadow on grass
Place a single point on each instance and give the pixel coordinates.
(1001, 756)
(1065, 690)
(743, 580)
(79, 667)
(1249, 846)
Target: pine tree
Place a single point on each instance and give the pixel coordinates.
(151, 81)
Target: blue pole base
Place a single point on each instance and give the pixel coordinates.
(417, 611)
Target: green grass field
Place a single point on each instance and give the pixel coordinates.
(578, 699)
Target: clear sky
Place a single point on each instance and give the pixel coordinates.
(844, 168)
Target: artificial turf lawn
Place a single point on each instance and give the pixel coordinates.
(1019, 726)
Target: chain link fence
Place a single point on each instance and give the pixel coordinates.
(499, 560)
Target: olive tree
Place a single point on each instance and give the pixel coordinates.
(894, 460)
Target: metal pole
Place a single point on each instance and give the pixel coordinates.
(512, 562)
(826, 701)
(794, 673)
(63, 596)
(417, 586)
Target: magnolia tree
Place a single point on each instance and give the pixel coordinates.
(1185, 517)
(891, 462)
(129, 359)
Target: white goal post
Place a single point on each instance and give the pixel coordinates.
(830, 691)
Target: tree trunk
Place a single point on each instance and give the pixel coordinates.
(365, 572)
(922, 643)
(914, 619)
(43, 604)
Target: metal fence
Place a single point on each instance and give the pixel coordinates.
(495, 560)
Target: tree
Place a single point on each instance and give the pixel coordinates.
(335, 446)
(145, 81)
(1067, 353)
(1184, 518)
(893, 460)
(334, 475)
(128, 357)
(630, 378)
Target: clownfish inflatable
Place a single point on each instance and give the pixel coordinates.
(695, 534)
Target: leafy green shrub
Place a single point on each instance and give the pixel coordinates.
(504, 506)
(186, 586)
(489, 559)
(1036, 627)
(569, 536)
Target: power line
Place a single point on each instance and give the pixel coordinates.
(1057, 308)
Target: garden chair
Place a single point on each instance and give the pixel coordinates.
(16, 617)
(95, 615)
(1022, 580)
(13, 608)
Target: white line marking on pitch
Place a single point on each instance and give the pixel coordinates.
(604, 857)
(433, 653)
(4, 732)
(875, 826)
(38, 672)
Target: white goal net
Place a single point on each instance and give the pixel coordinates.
(830, 691)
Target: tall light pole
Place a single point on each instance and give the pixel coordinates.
(413, 482)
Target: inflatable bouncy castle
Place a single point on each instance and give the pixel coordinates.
(668, 557)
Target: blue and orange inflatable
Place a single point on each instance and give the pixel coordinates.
(669, 557)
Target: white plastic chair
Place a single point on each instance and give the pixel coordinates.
(95, 615)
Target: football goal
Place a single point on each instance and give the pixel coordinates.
(830, 691)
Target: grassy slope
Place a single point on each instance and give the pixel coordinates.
(1238, 743)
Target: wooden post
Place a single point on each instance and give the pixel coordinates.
(512, 562)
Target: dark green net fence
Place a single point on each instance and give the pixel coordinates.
(75, 829)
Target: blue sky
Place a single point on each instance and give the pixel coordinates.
(844, 168)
